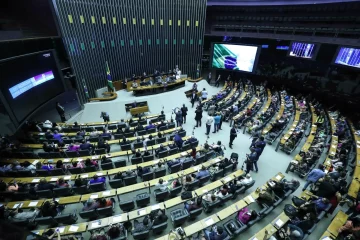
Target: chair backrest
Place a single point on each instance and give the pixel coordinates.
(161, 195)
(175, 168)
(148, 158)
(105, 211)
(115, 183)
(112, 127)
(141, 235)
(138, 145)
(62, 192)
(200, 160)
(148, 176)
(97, 187)
(44, 194)
(209, 155)
(141, 132)
(203, 180)
(80, 190)
(44, 220)
(187, 163)
(107, 166)
(42, 173)
(171, 125)
(159, 228)
(142, 199)
(120, 163)
(162, 128)
(163, 154)
(212, 205)
(218, 174)
(191, 186)
(161, 140)
(130, 180)
(25, 173)
(100, 151)
(84, 153)
(173, 151)
(55, 155)
(136, 160)
(195, 143)
(179, 216)
(125, 147)
(43, 155)
(20, 196)
(57, 172)
(251, 184)
(175, 191)
(91, 214)
(66, 219)
(118, 136)
(93, 139)
(21, 223)
(129, 134)
(160, 173)
(71, 154)
(76, 170)
(186, 147)
(90, 169)
(150, 142)
(196, 212)
(127, 206)
(152, 130)
(228, 169)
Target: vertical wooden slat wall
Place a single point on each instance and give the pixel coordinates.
(132, 35)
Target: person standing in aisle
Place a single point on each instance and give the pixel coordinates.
(105, 116)
(204, 94)
(61, 110)
(217, 82)
(209, 78)
(178, 118)
(209, 121)
(194, 97)
(198, 116)
(216, 122)
(184, 113)
(233, 135)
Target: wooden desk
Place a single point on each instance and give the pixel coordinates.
(129, 106)
(140, 89)
(232, 209)
(261, 234)
(278, 116)
(296, 121)
(101, 223)
(209, 98)
(25, 204)
(118, 218)
(200, 225)
(268, 102)
(228, 96)
(250, 106)
(97, 195)
(108, 96)
(280, 221)
(138, 110)
(338, 221)
(145, 211)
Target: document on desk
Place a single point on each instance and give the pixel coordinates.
(79, 159)
(228, 179)
(67, 177)
(94, 157)
(209, 221)
(73, 228)
(278, 177)
(35, 162)
(85, 176)
(116, 219)
(17, 205)
(251, 199)
(96, 224)
(61, 229)
(53, 179)
(142, 212)
(154, 207)
(279, 223)
(36, 180)
(92, 196)
(66, 160)
(33, 204)
(326, 238)
(106, 193)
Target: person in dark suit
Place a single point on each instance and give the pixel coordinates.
(61, 110)
(87, 146)
(194, 98)
(184, 112)
(103, 144)
(198, 116)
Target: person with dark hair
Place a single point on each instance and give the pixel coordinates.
(103, 202)
(217, 233)
(160, 218)
(245, 215)
(105, 116)
(192, 205)
(50, 209)
(59, 164)
(103, 144)
(233, 135)
(90, 205)
(104, 159)
(202, 173)
(61, 111)
(44, 185)
(89, 163)
(60, 183)
(19, 214)
(184, 111)
(86, 145)
(97, 179)
(198, 116)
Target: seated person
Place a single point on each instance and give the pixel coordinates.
(141, 226)
(89, 163)
(104, 159)
(77, 164)
(19, 214)
(191, 140)
(277, 187)
(202, 173)
(162, 123)
(187, 179)
(97, 179)
(105, 134)
(12, 187)
(223, 191)
(50, 147)
(103, 202)
(162, 185)
(294, 232)
(159, 150)
(73, 148)
(209, 198)
(51, 208)
(160, 218)
(57, 136)
(313, 206)
(87, 146)
(44, 185)
(245, 215)
(192, 204)
(217, 233)
(266, 196)
(137, 154)
(90, 205)
(60, 183)
(146, 153)
(48, 134)
(150, 126)
(139, 127)
(244, 181)
(103, 144)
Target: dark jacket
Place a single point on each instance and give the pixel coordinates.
(198, 114)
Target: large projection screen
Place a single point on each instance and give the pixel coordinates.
(235, 57)
(348, 56)
(29, 81)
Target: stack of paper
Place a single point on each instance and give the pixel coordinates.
(279, 223)
(73, 228)
(33, 204)
(209, 221)
(35, 180)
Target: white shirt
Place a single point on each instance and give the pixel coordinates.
(209, 120)
(246, 181)
(204, 94)
(163, 187)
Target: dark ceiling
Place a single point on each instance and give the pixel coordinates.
(272, 2)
